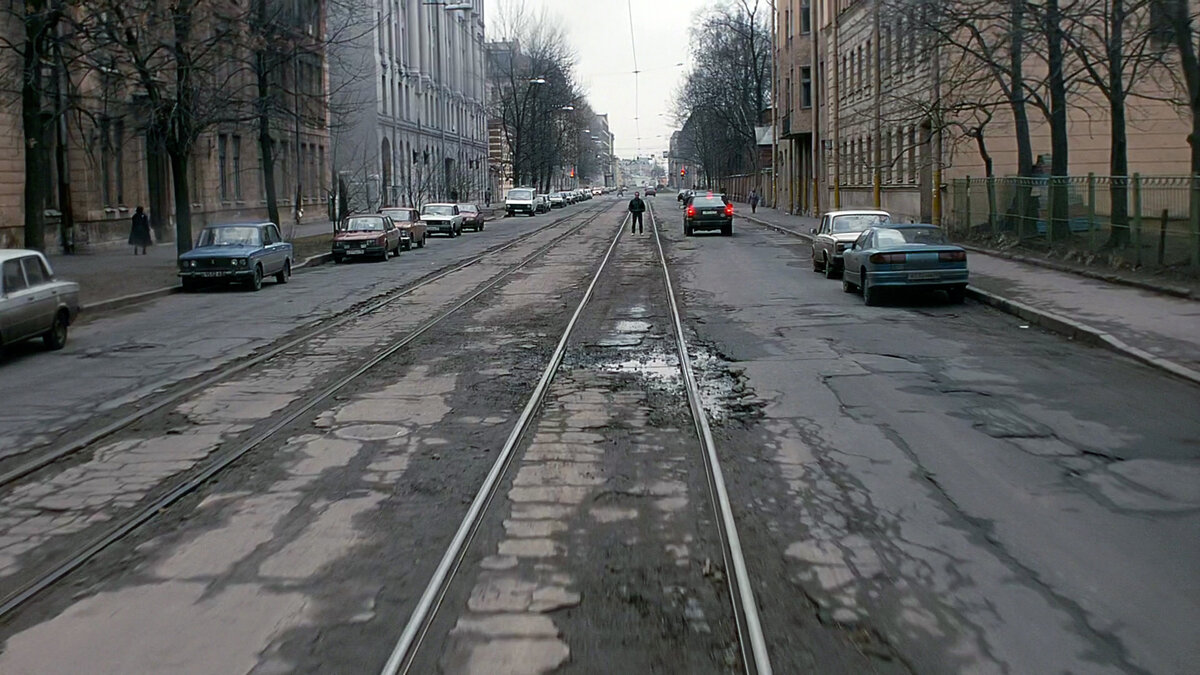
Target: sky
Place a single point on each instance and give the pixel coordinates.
(599, 31)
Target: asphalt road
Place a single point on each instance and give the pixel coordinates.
(919, 487)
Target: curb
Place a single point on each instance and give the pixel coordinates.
(1057, 323)
(135, 298)
(1176, 291)
(1082, 332)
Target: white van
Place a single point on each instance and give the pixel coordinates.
(520, 200)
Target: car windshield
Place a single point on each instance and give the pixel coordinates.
(858, 222)
(467, 208)
(363, 225)
(520, 194)
(437, 210)
(230, 236)
(909, 235)
(401, 215)
(708, 202)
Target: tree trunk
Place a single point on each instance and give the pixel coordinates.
(1118, 161)
(35, 125)
(1059, 144)
(267, 157)
(156, 184)
(1184, 42)
(1022, 207)
(183, 206)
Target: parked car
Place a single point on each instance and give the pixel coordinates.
(364, 235)
(33, 303)
(412, 230)
(651, 190)
(708, 212)
(596, 192)
(904, 257)
(557, 200)
(442, 218)
(472, 218)
(839, 229)
(520, 200)
(543, 203)
(236, 253)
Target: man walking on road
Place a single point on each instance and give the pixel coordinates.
(636, 208)
(754, 201)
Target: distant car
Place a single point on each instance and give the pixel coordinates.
(558, 200)
(32, 302)
(651, 190)
(543, 203)
(412, 230)
(472, 218)
(520, 200)
(904, 257)
(596, 192)
(709, 212)
(236, 253)
(839, 229)
(364, 235)
(442, 218)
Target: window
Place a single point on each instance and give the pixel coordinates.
(119, 159)
(106, 153)
(35, 273)
(237, 168)
(805, 87)
(222, 166)
(858, 67)
(912, 154)
(868, 66)
(805, 17)
(14, 280)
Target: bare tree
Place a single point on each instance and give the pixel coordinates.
(1175, 23)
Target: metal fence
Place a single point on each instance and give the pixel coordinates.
(1150, 221)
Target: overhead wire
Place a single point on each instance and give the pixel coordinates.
(637, 125)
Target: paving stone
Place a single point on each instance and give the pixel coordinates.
(507, 625)
(530, 548)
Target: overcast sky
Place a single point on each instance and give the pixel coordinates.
(600, 34)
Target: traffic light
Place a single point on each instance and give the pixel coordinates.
(683, 171)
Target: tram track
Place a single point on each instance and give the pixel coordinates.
(750, 640)
(188, 481)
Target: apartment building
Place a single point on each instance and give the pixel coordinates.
(409, 92)
(878, 84)
(109, 168)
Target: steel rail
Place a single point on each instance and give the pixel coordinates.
(419, 621)
(43, 460)
(134, 520)
(757, 660)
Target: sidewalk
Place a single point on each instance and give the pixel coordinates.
(1158, 329)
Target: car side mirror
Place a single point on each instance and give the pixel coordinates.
(813, 230)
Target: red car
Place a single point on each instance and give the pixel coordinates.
(472, 218)
(412, 230)
(366, 235)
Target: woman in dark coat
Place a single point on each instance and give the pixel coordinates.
(139, 233)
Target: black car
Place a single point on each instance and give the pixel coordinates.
(708, 212)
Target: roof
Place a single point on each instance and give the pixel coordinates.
(907, 226)
(253, 223)
(843, 212)
(14, 253)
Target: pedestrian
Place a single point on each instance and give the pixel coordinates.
(139, 231)
(753, 201)
(636, 208)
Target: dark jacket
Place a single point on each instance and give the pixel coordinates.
(636, 205)
(139, 233)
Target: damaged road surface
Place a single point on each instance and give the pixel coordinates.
(917, 487)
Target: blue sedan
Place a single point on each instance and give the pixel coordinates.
(240, 253)
(904, 257)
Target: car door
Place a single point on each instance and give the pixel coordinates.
(825, 244)
(276, 252)
(853, 258)
(43, 303)
(15, 310)
(391, 233)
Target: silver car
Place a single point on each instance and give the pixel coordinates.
(32, 302)
(837, 231)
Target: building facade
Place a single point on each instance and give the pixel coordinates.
(796, 105)
(409, 94)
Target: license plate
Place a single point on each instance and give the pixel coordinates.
(354, 251)
(213, 274)
(708, 213)
(923, 276)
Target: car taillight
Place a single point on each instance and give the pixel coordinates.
(888, 258)
(952, 256)
(691, 211)
(729, 209)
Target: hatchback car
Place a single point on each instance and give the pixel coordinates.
(905, 257)
(839, 229)
(472, 218)
(366, 235)
(32, 302)
(236, 253)
(412, 231)
(708, 212)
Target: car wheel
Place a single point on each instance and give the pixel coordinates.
(687, 231)
(727, 230)
(958, 294)
(406, 246)
(847, 287)
(189, 285)
(56, 337)
(285, 273)
(481, 226)
(422, 243)
(338, 260)
(830, 270)
(383, 257)
(256, 282)
(870, 295)
(816, 261)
